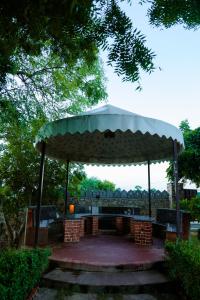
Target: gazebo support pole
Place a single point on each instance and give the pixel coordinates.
(41, 179)
(149, 188)
(175, 169)
(67, 183)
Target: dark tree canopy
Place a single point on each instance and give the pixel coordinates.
(171, 12)
(78, 29)
(74, 30)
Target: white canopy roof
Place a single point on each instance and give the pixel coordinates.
(109, 135)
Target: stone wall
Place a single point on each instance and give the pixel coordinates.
(125, 199)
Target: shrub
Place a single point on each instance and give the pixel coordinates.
(193, 206)
(20, 270)
(184, 266)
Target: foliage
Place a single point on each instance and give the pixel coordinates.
(20, 271)
(193, 206)
(19, 167)
(189, 159)
(74, 30)
(138, 188)
(46, 88)
(94, 183)
(181, 256)
(184, 126)
(43, 90)
(168, 13)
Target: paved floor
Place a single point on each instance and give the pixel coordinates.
(107, 251)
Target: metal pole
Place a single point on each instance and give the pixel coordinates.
(67, 183)
(175, 169)
(149, 188)
(41, 179)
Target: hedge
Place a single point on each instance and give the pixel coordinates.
(184, 266)
(20, 270)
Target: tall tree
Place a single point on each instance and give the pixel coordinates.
(189, 159)
(43, 90)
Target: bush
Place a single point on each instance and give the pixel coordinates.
(193, 206)
(184, 266)
(20, 270)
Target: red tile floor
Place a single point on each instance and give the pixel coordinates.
(106, 251)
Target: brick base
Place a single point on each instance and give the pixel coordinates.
(171, 236)
(119, 224)
(82, 227)
(142, 233)
(132, 228)
(95, 225)
(72, 230)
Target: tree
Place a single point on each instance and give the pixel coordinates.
(19, 168)
(169, 13)
(189, 159)
(138, 188)
(94, 183)
(184, 126)
(193, 206)
(44, 83)
(74, 30)
(42, 91)
(106, 185)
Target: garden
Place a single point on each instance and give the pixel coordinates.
(51, 68)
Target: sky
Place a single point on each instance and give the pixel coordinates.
(171, 94)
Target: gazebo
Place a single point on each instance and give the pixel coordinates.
(109, 136)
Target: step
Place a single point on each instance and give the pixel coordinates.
(53, 294)
(141, 281)
(95, 267)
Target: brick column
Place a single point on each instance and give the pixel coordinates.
(143, 233)
(132, 228)
(72, 230)
(95, 225)
(119, 224)
(82, 227)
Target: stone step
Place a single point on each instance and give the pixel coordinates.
(95, 267)
(128, 282)
(53, 294)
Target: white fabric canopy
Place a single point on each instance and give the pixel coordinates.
(109, 135)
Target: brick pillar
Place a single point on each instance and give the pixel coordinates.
(143, 233)
(119, 224)
(95, 225)
(72, 230)
(132, 228)
(82, 227)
